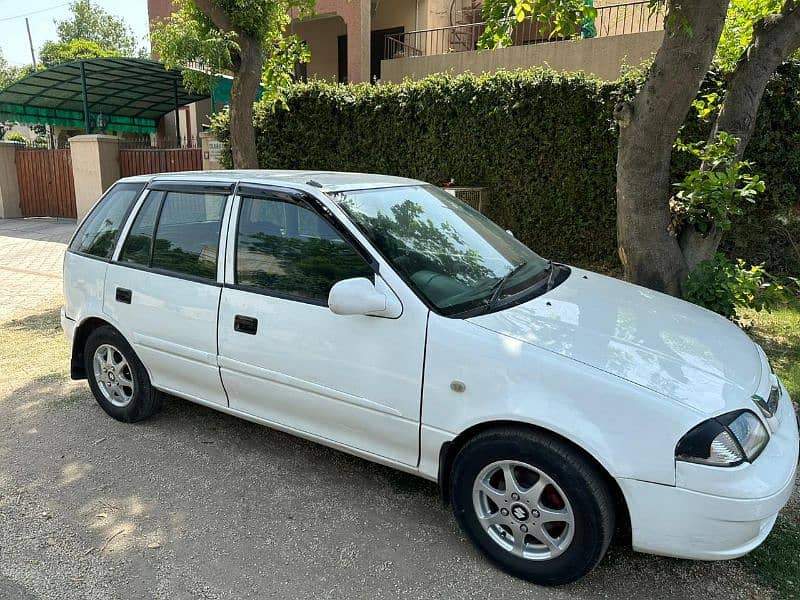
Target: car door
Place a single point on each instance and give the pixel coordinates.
(163, 287)
(286, 358)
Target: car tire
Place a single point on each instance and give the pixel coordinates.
(556, 493)
(117, 377)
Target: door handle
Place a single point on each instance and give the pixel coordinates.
(124, 295)
(244, 324)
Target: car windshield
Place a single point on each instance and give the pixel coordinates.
(458, 259)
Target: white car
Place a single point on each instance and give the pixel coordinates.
(383, 317)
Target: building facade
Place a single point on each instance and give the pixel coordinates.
(354, 41)
(369, 40)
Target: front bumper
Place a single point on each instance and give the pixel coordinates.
(731, 517)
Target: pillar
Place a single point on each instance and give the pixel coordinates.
(95, 168)
(359, 41)
(211, 149)
(9, 186)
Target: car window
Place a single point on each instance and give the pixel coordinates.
(187, 234)
(452, 255)
(138, 244)
(291, 250)
(99, 232)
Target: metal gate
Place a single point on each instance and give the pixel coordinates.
(145, 162)
(46, 185)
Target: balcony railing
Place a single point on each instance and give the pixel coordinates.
(615, 19)
(625, 18)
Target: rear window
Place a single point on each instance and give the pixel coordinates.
(98, 234)
(177, 232)
(187, 234)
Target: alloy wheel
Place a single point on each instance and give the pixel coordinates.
(113, 375)
(523, 510)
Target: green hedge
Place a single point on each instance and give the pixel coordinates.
(543, 143)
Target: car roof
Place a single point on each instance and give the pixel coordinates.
(327, 181)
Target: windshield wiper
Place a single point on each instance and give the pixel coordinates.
(550, 277)
(498, 287)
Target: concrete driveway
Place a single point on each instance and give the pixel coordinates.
(30, 261)
(197, 504)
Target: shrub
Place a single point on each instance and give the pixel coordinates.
(712, 195)
(723, 286)
(543, 144)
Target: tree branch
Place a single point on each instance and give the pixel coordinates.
(218, 16)
(775, 38)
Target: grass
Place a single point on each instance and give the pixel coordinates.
(777, 562)
(32, 348)
(779, 334)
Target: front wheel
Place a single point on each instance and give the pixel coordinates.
(532, 504)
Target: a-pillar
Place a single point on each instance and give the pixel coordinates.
(95, 168)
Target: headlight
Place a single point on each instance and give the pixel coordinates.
(726, 441)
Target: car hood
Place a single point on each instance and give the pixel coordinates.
(653, 340)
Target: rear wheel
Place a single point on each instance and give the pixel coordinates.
(117, 377)
(532, 504)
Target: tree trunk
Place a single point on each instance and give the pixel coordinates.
(649, 127)
(775, 38)
(247, 69)
(246, 80)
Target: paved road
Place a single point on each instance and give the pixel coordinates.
(196, 504)
(30, 261)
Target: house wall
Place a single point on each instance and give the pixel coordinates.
(396, 13)
(158, 10)
(437, 14)
(339, 17)
(603, 57)
(322, 34)
(357, 17)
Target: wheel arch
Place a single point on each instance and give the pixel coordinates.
(449, 450)
(77, 367)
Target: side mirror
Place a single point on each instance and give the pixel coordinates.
(359, 296)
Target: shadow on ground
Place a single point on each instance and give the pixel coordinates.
(49, 320)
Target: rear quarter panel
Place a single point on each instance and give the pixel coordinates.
(84, 282)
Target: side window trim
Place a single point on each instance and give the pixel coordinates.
(229, 275)
(126, 229)
(166, 187)
(224, 236)
(290, 196)
(121, 234)
(156, 223)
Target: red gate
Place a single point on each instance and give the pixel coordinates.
(46, 186)
(145, 162)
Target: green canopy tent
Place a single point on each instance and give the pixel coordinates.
(221, 87)
(117, 94)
